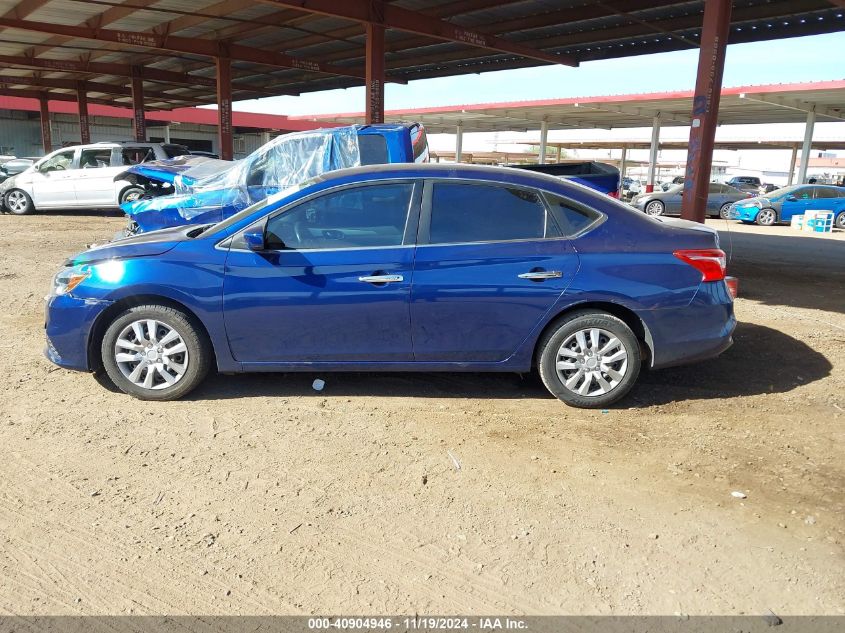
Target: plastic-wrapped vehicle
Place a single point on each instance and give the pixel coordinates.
(200, 190)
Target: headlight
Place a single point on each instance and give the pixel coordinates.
(69, 278)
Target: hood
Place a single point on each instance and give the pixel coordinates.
(145, 245)
(151, 214)
(188, 169)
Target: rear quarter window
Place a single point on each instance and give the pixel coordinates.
(572, 217)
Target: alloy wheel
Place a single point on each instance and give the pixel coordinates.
(151, 354)
(16, 201)
(591, 362)
(766, 217)
(654, 207)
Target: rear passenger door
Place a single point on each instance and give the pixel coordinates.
(94, 181)
(491, 261)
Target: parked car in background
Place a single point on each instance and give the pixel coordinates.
(782, 204)
(81, 176)
(766, 188)
(599, 176)
(719, 200)
(199, 152)
(677, 180)
(745, 183)
(14, 166)
(401, 268)
(630, 188)
(195, 189)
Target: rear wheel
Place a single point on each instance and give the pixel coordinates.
(589, 359)
(655, 207)
(766, 217)
(839, 222)
(19, 202)
(154, 352)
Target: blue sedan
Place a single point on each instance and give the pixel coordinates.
(405, 268)
(781, 205)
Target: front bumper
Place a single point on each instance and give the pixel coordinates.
(701, 330)
(745, 213)
(68, 324)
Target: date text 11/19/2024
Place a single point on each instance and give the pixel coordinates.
(417, 623)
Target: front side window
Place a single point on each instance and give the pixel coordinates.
(58, 162)
(803, 194)
(359, 217)
(463, 213)
(94, 158)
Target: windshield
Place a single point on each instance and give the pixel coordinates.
(783, 191)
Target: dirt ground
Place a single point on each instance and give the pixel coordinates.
(260, 495)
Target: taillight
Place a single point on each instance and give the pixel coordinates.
(733, 286)
(711, 262)
(613, 194)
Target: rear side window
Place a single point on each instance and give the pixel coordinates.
(137, 155)
(373, 149)
(824, 192)
(487, 213)
(94, 158)
(172, 150)
(572, 217)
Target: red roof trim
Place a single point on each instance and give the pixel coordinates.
(629, 98)
(200, 116)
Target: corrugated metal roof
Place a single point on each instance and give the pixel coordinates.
(774, 103)
(582, 29)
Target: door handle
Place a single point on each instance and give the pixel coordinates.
(539, 275)
(381, 279)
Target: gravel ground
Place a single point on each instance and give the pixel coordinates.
(433, 493)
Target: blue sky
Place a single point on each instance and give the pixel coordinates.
(813, 58)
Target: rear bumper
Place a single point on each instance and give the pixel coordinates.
(68, 325)
(701, 330)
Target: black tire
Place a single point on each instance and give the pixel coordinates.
(550, 345)
(197, 358)
(18, 202)
(839, 221)
(725, 210)
(131, 194)
(767, 217)
(654, 208)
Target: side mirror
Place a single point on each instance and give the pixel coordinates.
(792, 199)
(254, 238)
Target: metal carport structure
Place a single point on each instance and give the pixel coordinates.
(775, 103)
(166, 53)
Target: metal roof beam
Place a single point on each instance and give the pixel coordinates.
(794, 104)
(54, 96)
(395, 17)
(190, 45)
(641, 113)
(125, 70)
(96, 86)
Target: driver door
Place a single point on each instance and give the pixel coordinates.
(333, 283)
(52, 182)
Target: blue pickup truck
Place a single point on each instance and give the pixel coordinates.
(599, 176)
(200, 190)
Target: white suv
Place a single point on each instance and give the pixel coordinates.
(82, 176)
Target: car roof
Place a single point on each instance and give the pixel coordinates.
(444, 170)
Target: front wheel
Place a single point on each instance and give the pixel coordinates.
(725, 211)
(131, 194)
(766, 217)
(589, 359)
(154, 352)
(19, 202)
(655, 208)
